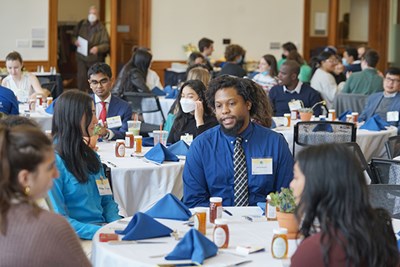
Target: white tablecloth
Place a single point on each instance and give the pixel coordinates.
(372, 143)
(155, 118)
(242, 232)
(43, 118)
(138, 185)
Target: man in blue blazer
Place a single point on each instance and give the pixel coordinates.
(107, 105)
(387, 103)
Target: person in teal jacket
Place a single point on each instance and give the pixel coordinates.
(75, 193)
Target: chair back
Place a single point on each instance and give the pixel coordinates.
(392, 146)
(387, 197)
(368, 173)
(386, 171)
(308, 133)
(107, 172)
(145, 103)
(51, 86)
(354, 102)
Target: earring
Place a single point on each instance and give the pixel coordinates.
(27, 190)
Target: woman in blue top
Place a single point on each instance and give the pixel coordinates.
(75, 193)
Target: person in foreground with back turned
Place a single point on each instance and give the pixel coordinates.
(29, 235)
(82, 193)
(339, 226)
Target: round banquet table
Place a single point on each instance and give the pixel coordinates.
(242, 232)
(372, 143)
(137, 185)
(43, 118)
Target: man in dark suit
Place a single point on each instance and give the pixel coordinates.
(107, 105)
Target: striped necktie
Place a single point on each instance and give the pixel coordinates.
(240, 176)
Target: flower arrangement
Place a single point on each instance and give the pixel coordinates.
(283, 200)
(189, 48)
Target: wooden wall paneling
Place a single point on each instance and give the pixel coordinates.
(113, 37)
(306, 30)
(145, 23)
(378, 30)
(159, 66)
(333, 22)
(53, 33)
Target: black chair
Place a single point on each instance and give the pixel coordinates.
(145, 103)
(308, 133)
(355, 148)
(51, 86)
(354, 102)
(107, 172)
(386, 171)
(387, 197)
(392, 146)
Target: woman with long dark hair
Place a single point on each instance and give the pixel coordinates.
(75, 193)
(29, 235)
(339, 226)
(193, 116)
(268, 71)
(134, 74)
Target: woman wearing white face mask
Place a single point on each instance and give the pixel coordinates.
(194, 116)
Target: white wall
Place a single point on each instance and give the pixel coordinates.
(251, 24)
(21, 20)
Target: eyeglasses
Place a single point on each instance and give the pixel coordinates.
(103, 82)
(334, 61)
(392, 80)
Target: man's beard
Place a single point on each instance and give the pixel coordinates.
(235, 129)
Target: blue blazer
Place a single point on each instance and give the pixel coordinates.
(119, 107)
(372, 104)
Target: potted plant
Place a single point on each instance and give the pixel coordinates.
(285, 206)
(92, 140)
(306, 113)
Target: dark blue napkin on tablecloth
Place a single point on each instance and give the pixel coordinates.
(375, 123)
(168, 89)
(179, 148)
(159, 154)
(142, 226)
(148, 141)
(174, 94)
(50, 108)
(158, 91)
(193, 246)
(262, 205)
(169, 207)
(342, 116)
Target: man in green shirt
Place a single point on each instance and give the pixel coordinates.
(368, 81)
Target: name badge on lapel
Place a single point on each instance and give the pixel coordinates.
(114, 122)
(103, 185)
(261, 166)
(392, 116)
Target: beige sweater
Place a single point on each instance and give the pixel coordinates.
(45, 240)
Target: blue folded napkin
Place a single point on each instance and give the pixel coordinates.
(142, 226)
(169, 207)
(148, 141)
(174, 94)
(50, 108)
(194, 246)
(375, 123)
(179, 148)
(398, 240)
(168, 89)
(323, 127)
(159, 154)
(158, 91)
(342, 116)
(262, 205)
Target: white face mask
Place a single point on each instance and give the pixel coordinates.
(92, 18)
(188, 105)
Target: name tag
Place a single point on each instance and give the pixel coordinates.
(103, 185)
(392, 116)
(114, 122)
(295, 105)
(188, 138)
(261, 166)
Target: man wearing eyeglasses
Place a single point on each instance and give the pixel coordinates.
(367, 81)
(387, 103)
(108, 106)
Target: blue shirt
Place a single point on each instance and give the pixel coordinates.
(209, 171)
(8, 101)
(81, 203)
